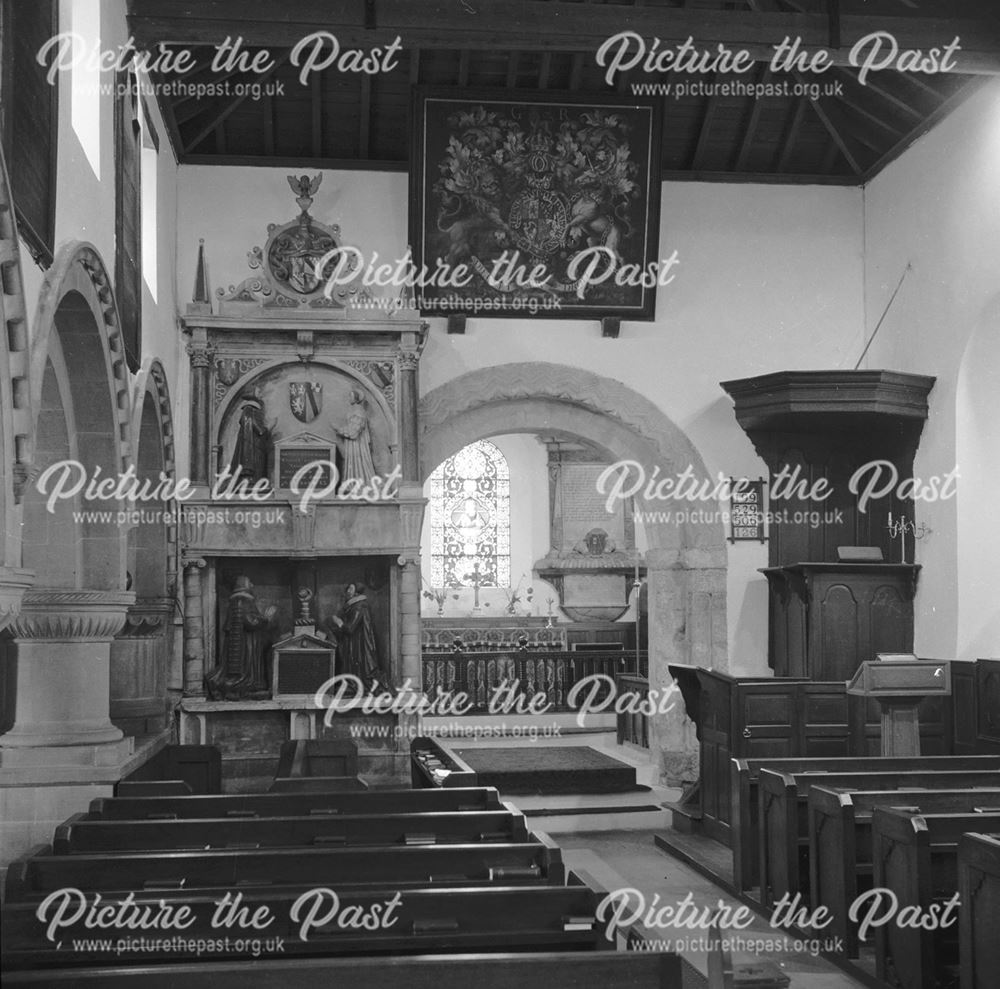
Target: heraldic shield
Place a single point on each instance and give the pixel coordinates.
(305, 399)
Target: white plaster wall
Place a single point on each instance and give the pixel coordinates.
(938, 209)
(85, 205)
(769, 278)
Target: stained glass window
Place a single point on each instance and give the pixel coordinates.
(470, 519)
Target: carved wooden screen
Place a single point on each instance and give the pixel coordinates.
(470, 519)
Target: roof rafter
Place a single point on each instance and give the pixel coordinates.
(540, 25)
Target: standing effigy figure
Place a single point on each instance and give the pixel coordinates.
(253, 440)
(359, 467)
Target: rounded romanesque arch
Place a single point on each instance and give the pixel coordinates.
(15, 418)
(686, 562)
(77, 302)
(78, 397)
(80, 410)
(140, 654)
(152, 554)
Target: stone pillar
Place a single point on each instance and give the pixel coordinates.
(194, 629)
(201, 364)
(409, 415)
(409, 610)
(687, 624)
(63, 642)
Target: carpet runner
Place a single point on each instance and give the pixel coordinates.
(550, 770)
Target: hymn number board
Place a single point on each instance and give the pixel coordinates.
(746, 511)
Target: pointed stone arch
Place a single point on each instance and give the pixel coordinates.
(686, 562)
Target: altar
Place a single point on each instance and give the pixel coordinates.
(300, 535)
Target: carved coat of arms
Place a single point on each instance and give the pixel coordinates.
(228, 371)
(305, 398)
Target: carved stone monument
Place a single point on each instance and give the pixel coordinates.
(592, 560)
(306, 474)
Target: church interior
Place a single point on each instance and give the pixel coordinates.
(498, 491)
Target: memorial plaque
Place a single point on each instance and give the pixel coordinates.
(301, 665)
(291, 459)
(583, 506)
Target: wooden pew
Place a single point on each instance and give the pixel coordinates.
(743, 792)
(916, 856)
(840, 842)
(295, 805)
(317, 757)
(783, 807)
(152, 788)
(79, 835)
(535, 861)
(534, 970)
(316, 784)
(433, 764)
(979, 890)
(367, 921)
(317, 764)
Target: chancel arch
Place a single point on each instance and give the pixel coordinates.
(686, 563)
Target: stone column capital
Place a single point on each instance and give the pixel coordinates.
(71, 615)
(201, 356)
(13, 584)
(409, 360)
(147, 618)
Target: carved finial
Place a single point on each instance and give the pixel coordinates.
(202, 296)
(304, 189)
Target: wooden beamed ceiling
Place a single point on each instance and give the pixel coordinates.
(356, 120)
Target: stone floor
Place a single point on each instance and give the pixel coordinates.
(617, 851)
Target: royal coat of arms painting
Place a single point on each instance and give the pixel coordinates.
(535, 204)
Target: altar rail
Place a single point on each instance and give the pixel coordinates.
(552, 674)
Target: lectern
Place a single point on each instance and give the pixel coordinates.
(899, 683)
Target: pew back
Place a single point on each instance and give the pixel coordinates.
(783, 819)
(745, 775)
(979, 892)
(916, 856)
(535, 861)
(537, 970)
(296, 805)
(81, 836)
(317, 921)
(840, 840)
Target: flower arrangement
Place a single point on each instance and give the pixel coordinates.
(437, 594)
(513, 595)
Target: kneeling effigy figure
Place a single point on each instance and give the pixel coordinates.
(241, 673)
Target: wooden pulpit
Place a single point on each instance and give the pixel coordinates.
(899, 682)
